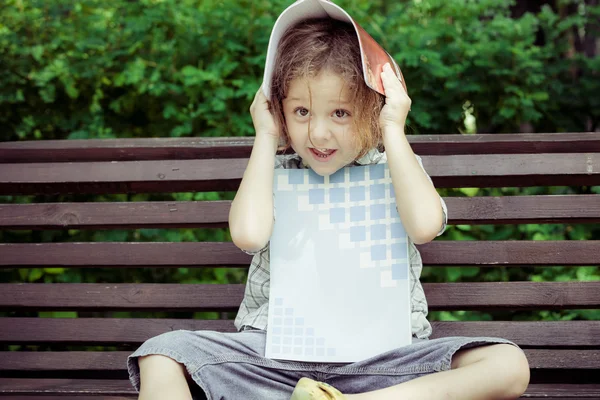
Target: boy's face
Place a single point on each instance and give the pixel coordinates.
(327, 109)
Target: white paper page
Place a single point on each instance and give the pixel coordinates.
(339, 288)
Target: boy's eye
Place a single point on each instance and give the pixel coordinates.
(301, 111)
(341, 113)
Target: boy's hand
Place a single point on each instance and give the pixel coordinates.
(397, 102)
(262, 118)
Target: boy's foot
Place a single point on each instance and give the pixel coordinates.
(308, 389)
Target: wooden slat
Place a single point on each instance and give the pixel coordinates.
(134, 331)
(132, 149)
(239, 147)
(97, 254)
(83, 389)
(193, 297)
(563, 359)
(122, 177)
(526, 334)
(66, 387)
(106, 331)
(97, 296)
(121, 215)
(562, 391)
(572, 209)
(74, 397)
(511, 252)
(203, 175)
(512, 295)
(519, 170)
(154, 254)
(117, 360)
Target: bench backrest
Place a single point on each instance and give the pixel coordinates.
(563, 350)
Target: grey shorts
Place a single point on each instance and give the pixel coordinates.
(231, 366)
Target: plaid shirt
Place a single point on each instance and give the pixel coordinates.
(255, 305)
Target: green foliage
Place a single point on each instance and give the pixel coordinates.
(457, 53)
(97, 69)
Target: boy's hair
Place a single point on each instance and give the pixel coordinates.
(316, 45)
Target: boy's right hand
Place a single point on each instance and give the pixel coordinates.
(262, 118)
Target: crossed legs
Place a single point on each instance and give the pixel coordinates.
(490, 372)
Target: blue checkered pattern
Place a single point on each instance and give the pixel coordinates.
(359, 202)
(290, 335)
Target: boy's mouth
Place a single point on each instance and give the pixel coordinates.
(322, 154)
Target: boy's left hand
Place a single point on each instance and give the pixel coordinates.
(397, 102)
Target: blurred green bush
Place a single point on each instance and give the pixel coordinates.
(158, 68)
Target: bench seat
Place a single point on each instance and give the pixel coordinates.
(564, 355)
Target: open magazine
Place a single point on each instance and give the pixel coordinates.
(340, 282)
(374, 57)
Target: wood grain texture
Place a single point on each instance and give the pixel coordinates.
(66, 387)
(574, 209)
(240, 147)
(122, 177)
(117, 389)
(134, 331)
(197, 254)
(195, 297)
(562, 391)
(97, 254)
(74, 397)
(117, 360)
(121, 215)
(491, 170)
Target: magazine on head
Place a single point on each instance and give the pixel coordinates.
(373, 56)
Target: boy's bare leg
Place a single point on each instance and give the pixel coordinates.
(498, 371)
(163, 378)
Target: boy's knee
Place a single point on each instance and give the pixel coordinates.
(158, 366)
(513, 363)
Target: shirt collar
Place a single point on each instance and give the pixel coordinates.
(372, 157)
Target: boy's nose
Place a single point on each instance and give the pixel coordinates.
(320, 134)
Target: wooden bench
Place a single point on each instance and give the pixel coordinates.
(564, 355)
